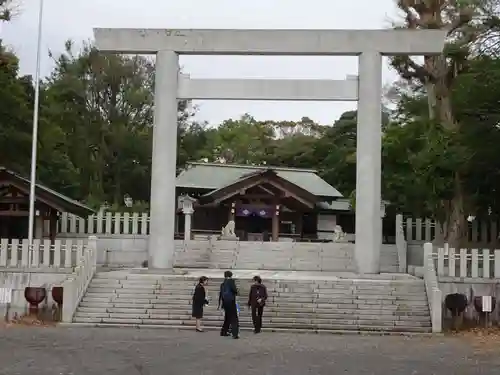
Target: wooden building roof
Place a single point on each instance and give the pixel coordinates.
(43, 194)
(212, 176)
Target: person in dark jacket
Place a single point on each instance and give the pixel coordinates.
(256, 301)
(199, 301)
(227, 300)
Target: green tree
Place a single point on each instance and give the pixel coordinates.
(15, 115)
(243, 141)
(335, 153)
(467, 24)
(104, 104)
(421, 157)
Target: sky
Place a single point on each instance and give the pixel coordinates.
(74, 19)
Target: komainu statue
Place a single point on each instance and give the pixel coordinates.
(339, 234)
(228, 230)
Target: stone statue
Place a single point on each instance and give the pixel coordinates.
(228, 231)
(339, 235)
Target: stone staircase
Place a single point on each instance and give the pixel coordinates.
(292, 256)
(397, 304)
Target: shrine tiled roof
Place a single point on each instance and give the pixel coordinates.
(212, 176)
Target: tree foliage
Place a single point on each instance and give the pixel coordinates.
(439, 143)
(6, 10)
(469, 25)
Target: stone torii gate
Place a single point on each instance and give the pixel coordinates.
(369, 45)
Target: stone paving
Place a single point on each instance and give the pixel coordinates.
(128, 351)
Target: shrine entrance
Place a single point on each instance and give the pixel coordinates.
(171, 86)
(254, 222)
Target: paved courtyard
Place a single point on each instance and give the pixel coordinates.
(128, 351)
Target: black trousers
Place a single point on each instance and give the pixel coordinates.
(257, 312)
(230, 320)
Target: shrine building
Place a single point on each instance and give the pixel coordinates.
(266, 203)
(49, 204)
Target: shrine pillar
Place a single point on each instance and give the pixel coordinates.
(276, 223)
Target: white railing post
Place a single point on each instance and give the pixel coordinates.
(68, 300)
(76, 285)
(437, 310)
(401, 245)
(434, 294)
(92, 243)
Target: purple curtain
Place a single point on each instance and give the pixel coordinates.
(245, 211)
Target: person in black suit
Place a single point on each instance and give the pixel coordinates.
(256, 301)
(199, 301)
(227, 300)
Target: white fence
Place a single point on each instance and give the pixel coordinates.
(19, 254)
(479, 231)
(107, 223)
(475, 263)
(76, 285)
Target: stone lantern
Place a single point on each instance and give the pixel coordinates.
(186, 203)
(382, 209)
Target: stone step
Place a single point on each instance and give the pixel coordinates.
(303, 309)
(306, 327)
(332, 293)
(339, 280)
(396, 304)
(173, 277)
(267, 319)
(269, 283)
(243, 292)
(299, 308)
(369, 300)
(156, 293)
(186, 287)
(271, 311)
(292, 259)
(244, 329)
(320, 284)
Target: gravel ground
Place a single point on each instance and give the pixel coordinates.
(129, 351)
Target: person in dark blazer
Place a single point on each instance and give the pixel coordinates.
(256, 301)
(227, 300)
(199, 301)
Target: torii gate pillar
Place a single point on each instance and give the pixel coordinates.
(369, 45)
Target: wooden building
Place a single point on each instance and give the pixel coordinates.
(14, 207)
(265, 202)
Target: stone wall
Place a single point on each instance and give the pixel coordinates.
(131, 251)
(326, 226)
(117, 250)
(20, 280)
(415, 253)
